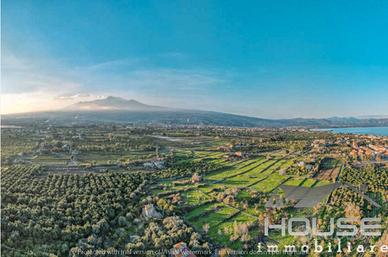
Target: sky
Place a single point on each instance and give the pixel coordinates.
(271, 59)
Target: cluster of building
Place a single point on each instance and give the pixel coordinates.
(359, 147)
(369, 150)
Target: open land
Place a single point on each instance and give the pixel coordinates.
(82, 188)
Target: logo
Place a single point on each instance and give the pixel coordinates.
(341, 227)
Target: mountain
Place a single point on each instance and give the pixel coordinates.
(119, 110)
(373, 117)
(112, 103)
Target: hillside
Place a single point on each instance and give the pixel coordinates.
(112, 103)
(119, 110)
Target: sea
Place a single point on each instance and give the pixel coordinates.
(375, 131)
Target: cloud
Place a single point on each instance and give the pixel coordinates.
(31, 101)
(72, 96)
(112, 65)
(20, 75)
(41, 101)
(53, 81)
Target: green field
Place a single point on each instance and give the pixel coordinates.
(259, 174)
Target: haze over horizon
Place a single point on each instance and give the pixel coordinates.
(266, 59)
(117, 103)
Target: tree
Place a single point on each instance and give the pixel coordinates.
(353, 211)
(205, 228)
(224, 252)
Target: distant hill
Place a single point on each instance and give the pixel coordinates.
(119, 110)
(373, 117)
(112, 103)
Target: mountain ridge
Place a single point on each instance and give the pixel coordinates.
(119, 110)
(112, 103)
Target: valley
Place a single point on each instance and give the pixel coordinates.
(137, 188)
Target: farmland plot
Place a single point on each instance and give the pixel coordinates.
(251, 175)
(239, 167)
(224, 230)
(270, 183)
(194, 197)
(213, 217)
(295, 182)
(201, 209)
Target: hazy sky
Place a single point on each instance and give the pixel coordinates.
(262, 58)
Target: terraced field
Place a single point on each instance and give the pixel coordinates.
(239, 166)
(214, 216)
(222, 232)
(194, 197)
(261, 174)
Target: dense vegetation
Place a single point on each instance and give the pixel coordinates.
(80, 190)
(375, 179)
(55, 213)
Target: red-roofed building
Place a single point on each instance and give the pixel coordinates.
(181, 250)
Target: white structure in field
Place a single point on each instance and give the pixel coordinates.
(149, 211)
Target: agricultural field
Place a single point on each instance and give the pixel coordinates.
(239, 180)
(329, 169)
(76, 189)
